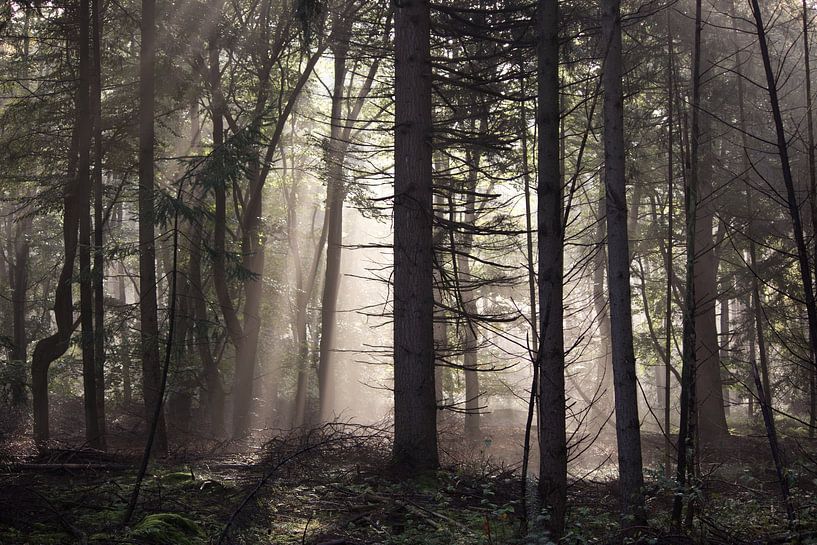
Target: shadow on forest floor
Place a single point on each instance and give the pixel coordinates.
(333, 485)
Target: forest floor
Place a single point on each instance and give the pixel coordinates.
(334, 486)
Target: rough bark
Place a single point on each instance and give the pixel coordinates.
(99, 227)
(812, 174)
(415, 424)
(92, 432)
(551, 355)
(631, 479)
(148, 313)
(686, 427)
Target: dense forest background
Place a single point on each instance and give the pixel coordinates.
(349, 271)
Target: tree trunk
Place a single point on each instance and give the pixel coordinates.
(99, 227)
(812, 173)
(92, 431)
(668, 447)
(551, 356)
(788, 180)
(468, 294)
(335, 195)
(47, 350)
(19, 284)
(127, 384)
(415, 424)
(686, 428)
(147, 246)
(631, 479)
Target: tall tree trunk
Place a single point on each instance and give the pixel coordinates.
(812, 173)
(415, 421)
(712, 427)
(604, 367)
(468, 294)
(669, 263)
(147, 245)
(532, 294)
(551, 356)
(92, 431)
(788, 180)
(686, 428)
(99, 227)
(441, 346)
(125, 350)
(631, 479)
(335, 195)
(214, 395)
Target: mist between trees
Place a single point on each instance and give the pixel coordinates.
(560, 245)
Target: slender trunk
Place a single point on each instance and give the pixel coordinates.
(631, 479)
(214, 395)
(532, 293)
(725, 343)
(757, 312)
(668, 447)
(604, 366)
(415, 421)
(551, 357)
(442, 349)
(335, 195)
(468, 294)
(92, 431)
(812, 173)
(686, 428)
(147, 244)
(750, 406)
(99, 264)
(761, 380)
(788, 179)
(19, 354)
(125, 352)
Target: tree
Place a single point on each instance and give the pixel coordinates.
(415, 423)
(551, 356)
(148, 311)
(92, 432)
(628, 435)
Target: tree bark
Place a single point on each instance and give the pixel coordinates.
(812, 173)
(415, 424)
(788, 180)
(631, 479)
(92, 432)
(147, 244)
(335, 195)
(551, 357)
(686, 428)
(99, 227)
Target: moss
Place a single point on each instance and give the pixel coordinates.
(167, 529)
(177, 477)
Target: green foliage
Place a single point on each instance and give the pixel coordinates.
(168, 529)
